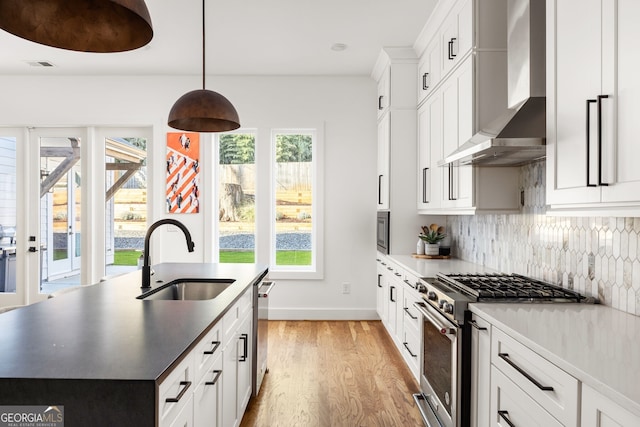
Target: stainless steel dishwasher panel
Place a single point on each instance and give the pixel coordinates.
(261, 318)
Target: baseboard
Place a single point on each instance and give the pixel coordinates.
(322, 314)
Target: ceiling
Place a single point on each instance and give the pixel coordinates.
(244, 37)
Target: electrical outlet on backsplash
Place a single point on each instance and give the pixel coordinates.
(596, 256)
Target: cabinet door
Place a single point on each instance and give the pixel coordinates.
(384, 92)
(430, 69)
(245, 357)
(456, 35)
(457, 128)
(229, 383)
(384, 141)
(573, 77)
(480, 371)
(429, 152)
(620, 167)
(207, 398)
(185, 417)
(380, 292)
(599, 411)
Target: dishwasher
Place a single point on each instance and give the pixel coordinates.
(261, 328)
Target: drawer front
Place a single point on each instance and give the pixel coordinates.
(412, 318)
(411, 352)
(175, 391)
(207, 398)
(510, 406)
(207, 350)
(548, 385)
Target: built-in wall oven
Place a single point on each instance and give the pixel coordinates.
(382, 231)
(445, 373)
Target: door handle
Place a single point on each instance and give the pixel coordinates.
(424, 185)
(33, 249)
(245, 339)
(600, 98)
(425, 86)
(588, 140)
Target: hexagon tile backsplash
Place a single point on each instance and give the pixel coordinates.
(596, 256)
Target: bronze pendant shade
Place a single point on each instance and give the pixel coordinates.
(80, 25)
(203, 110)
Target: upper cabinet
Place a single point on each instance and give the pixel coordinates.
(592, 98)
(465, 43)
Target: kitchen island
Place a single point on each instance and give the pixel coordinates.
(102, 353)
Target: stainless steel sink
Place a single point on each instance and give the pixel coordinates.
(189, 290)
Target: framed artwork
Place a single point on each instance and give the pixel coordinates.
(183, 172)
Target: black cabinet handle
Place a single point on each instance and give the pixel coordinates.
(600, 182)
(409, 313)
(215, 379)
(424, 185)
(503, 415)
(425, 86)
(409, 350)
(397, 274)
(187, 384)
(245, 339)
(379, 277)
(216, 344)
(391, 297)
(475, 325)
(505, 357)
(380, 189)
(451, 193)
(588, 139)
(451, 54)
(380, 102)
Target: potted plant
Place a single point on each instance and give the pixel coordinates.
(431, 236)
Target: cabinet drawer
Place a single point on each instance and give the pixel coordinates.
(207, 350)
(548, 385)
(509, 402)
(207, 398)
(175, 391)
(236, 313)
(411, 351)
(412, 318)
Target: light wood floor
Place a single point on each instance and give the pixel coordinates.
(333, 374)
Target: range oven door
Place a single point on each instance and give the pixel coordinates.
(440, 400)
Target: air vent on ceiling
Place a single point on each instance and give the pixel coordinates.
(40, 63)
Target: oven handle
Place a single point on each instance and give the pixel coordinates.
(444, 328)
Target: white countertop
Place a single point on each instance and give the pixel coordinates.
(429, 267)
(598, 345)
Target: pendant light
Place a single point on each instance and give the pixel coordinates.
(80, 25)
(203, 110)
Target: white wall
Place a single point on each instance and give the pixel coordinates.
(342, 104)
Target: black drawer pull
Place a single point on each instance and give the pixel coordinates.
(245, 339)
(409, 313)
(216, 344)
(187, 384)
(505, 357)
(475, 325)
(503, 415)
(215, 379)
(409, 350)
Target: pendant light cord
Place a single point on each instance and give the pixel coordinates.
(203, 46)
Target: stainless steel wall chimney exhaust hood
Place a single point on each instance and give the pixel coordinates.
(519, 135)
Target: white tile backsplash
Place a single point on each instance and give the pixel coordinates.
(597, 256)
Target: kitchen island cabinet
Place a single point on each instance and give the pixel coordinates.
(106, 356)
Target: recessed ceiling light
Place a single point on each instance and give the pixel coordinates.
(338, 47)
(40, 63)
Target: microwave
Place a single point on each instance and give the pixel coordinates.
(382, 231)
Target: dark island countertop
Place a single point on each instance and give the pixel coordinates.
(103, 332)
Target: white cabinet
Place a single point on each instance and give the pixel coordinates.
(592, 93)
(236, 362)
(429, 70)
(480, 371)
(430, 176)
(600, 411)
(381, 306)
(207, 397)
(384, 92)
(384, 145)
(174, 393)
(456, 34)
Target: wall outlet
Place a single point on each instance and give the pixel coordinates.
(346, 288)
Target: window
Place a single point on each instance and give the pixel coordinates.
(237, 198)
(294, 201)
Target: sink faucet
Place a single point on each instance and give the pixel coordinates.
(146, 268)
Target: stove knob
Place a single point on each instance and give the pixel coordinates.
(431, 296)
(441, 304)
(448, 308)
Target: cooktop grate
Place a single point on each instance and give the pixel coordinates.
(491, 287)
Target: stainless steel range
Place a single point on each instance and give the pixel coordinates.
(446, 337)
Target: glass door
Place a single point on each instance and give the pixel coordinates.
(9, 292)
(60, 215)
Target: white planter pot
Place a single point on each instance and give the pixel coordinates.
(431, 249)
